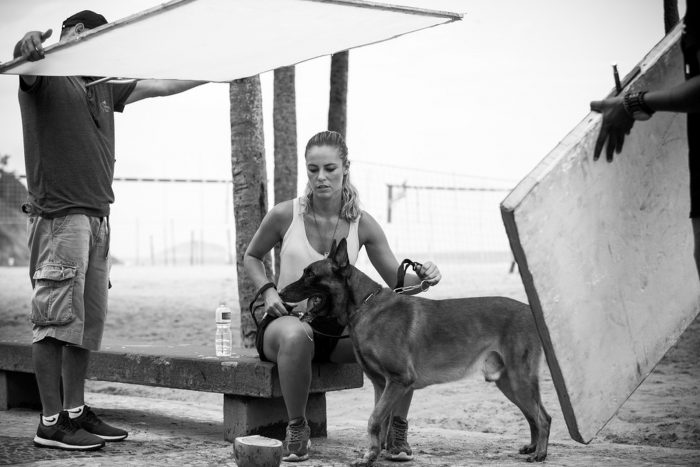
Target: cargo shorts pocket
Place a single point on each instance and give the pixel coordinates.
(52, 302)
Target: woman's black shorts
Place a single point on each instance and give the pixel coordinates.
(323, 345)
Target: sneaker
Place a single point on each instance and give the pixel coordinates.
(397, 447)
(297, 443)
(66, 434)
(92, 424)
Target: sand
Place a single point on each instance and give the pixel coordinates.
(463, 423)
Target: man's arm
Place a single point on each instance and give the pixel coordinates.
(159, 88)
(682, 98)
(30, 48)
(617, 122)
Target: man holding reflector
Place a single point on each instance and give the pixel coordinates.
(68, 125)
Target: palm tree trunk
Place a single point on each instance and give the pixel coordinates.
(338, 106)
(249, 184)
(284, 118)
(671, 17)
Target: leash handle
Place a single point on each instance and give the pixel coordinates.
(252, 307)
(401, 273)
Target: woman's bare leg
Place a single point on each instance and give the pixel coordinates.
(289, 343)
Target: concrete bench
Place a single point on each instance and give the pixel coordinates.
(253, 401)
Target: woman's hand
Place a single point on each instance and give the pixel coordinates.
(273, 303)
(429, 273)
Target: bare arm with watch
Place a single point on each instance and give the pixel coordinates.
(620, 113)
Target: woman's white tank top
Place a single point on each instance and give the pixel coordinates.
(297, 252)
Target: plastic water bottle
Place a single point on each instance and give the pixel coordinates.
(223, 331)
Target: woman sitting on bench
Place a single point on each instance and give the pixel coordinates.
(306, 227)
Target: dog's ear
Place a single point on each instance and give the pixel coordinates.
(340, 254)
(334, 245)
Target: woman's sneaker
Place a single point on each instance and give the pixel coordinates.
(91, 423)
(66, 434)
(297, 442)
(397, 447)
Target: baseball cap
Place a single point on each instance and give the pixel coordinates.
(90, 20)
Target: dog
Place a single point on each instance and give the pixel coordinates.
(404, 342)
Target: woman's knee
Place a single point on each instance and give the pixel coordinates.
(290, 338)
(297, 342)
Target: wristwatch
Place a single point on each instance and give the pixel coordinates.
(636, 107)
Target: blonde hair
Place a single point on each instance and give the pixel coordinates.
(350, 200)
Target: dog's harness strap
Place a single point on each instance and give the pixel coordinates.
(369, 297)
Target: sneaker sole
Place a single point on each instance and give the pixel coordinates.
(112, 438)
(295, 458)
(49, 443)
(400, 457)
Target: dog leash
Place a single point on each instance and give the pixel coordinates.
(401, 274)
(252, 306)
(399, 289)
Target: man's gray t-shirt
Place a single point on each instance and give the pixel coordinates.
(69, 144)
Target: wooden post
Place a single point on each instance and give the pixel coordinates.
(338, 105)
(284, 117)
(249, 184)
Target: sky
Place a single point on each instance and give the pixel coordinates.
(488, 96)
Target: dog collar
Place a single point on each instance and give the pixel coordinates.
(372, 294)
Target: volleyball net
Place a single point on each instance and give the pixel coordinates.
(444, 217)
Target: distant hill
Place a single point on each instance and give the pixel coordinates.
(13, 223)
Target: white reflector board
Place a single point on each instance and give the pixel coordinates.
(223, 40)
(605, 252)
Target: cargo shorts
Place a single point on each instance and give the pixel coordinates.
(69, 269)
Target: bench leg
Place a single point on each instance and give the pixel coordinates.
(18, 390)
(268, 417)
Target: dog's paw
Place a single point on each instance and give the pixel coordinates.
(538, 457)
(367, 460)
(527, 449)
(361, 462)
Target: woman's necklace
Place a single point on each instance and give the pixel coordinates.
(313, 212)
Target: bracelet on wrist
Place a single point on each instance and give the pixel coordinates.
(264, 287)
(643, 104)
(636, 107)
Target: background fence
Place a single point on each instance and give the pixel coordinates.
(449, 218)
